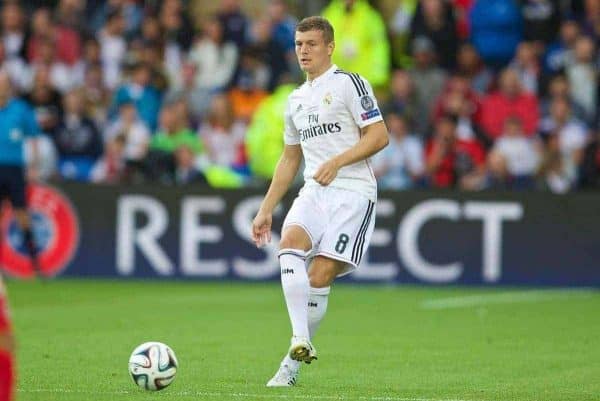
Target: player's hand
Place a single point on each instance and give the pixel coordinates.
(327, 172)
(261, 228)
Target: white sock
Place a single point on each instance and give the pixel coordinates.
(317, 306)
(294, 280)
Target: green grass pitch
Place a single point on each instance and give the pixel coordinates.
(376, 343)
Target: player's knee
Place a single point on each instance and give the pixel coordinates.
(7, 341)
(295, 238)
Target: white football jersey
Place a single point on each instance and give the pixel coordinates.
(325, 117)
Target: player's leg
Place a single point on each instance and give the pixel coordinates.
(294, 248)
(321, 274)
(7, 374)
(18, 201)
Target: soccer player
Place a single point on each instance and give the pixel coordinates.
(334, 123)
(17, 121)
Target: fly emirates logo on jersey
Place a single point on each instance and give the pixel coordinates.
(316, 129)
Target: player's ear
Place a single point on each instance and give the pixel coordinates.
(330, 48)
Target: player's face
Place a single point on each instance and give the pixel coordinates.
(314, 55)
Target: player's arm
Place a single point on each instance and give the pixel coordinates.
(374, 137)
(285, 172)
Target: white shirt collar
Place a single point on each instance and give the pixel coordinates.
(322, 77)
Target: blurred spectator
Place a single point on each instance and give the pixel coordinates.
(401, 163)
(268, 51)
(462, 8)
(361, 41)
(45, 101)
(133, 131)
(233, 21)
(496, 28)
(527, 66)
(510, 100)
(214, 58)
(246, 95)
(95, 96)
(428, 79)
(76, 135)
(186, 172)
(223, 136)
(152, 54)
(264, 142)
(66, 40)
(131, 10)
(403, 100)
(591, 19)
(571, 133)
(14, 36)
(558, 87)
(514, 160)
(110, 168)
(557, 172)
(583, 77)
(541, 20)
(399, 27)
(47, 159)
(283, 26)
(71, 14)
(470, 65)
(176, 27)
(113, 47)
(459, 100)
(174, 132)
(63, 77)
(560, 53)
(434, 20)
(452, 162)
(17, 70)
(139, 90)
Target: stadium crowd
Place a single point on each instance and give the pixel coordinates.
(477, 94)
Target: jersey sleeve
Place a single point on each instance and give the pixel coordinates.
(361, 101)
(290, 133)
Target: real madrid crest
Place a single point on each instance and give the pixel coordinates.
(327, 99)
(367, 103)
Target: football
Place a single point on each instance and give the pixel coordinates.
(153, 365)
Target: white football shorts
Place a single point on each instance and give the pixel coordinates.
(339, 223)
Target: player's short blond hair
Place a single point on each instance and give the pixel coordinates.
(317, 23)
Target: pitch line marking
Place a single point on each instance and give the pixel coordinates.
(243, 395)
(511, 297)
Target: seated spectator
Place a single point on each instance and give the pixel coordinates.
(527, 66)
(66, 40)
(133, 131)
(400, 164)
(452, 162)
(403, 99)
(557, 173)
(514, 159)
(223, 136)
(470, 65)
(558, 87)
(427, 78)
(434, 19)
(174, 132)
(113, 47)
(110, 168)
(45, 101)
(570, 132)
(583, 77)
(77, 139)
(185, 172)
(214, 58)
(510, 100)
(459, 100)
(139, 90)
(13, 31)
(560, 53)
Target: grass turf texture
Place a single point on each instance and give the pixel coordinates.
(376, 343)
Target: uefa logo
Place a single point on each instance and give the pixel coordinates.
(55, 231)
